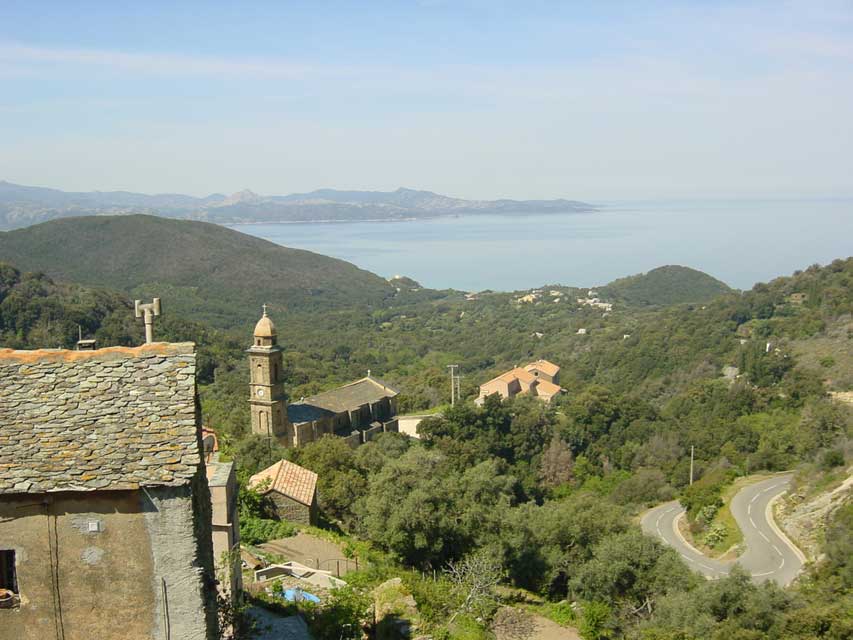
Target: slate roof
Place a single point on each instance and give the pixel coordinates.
(301, 412)
(288, 479)
(115, 418)
(351, 396)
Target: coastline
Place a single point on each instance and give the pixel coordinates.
(406, 219)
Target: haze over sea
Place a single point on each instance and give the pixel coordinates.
(739, 241)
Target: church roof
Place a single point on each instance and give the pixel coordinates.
(265, 327)
(351, 396)
(301, 412)
(288, 479)
(115, 418)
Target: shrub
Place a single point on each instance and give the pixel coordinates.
(254, 530)
(832, 458)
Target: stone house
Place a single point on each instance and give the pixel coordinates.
(291, 491)
(104, 507)
(538, 379)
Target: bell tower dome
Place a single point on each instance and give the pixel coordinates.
(267, 399)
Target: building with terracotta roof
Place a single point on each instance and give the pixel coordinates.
(104, 504)
(291, 491)
(544, 370)
(538, 379)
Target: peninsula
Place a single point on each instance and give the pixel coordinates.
(21, 206)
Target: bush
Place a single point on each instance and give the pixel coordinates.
(255, 530)
(832, 458)
(597, 621)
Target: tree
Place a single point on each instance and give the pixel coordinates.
(633, 569)
(257, 452)
(341, 480)
(411, 509)
(555, 467)
(475, 577)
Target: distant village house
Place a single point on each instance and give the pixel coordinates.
(539, 379)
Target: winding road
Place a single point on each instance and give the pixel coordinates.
(769, 554)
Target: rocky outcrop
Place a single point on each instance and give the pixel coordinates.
(396, 611)
(804, 518)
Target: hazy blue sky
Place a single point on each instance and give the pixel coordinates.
(589, 100)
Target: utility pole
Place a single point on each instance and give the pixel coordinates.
(691, 464)
(452, 368)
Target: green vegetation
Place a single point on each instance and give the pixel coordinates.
(546, 493)
(671, 284)
(202, 271)
(256, 525)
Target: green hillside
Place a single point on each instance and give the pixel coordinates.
(205, 271)
(670, 284)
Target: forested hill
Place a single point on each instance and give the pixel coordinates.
(204, 271)
(671, 284)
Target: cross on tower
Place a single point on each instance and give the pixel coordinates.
(265, 310)
(147, 312)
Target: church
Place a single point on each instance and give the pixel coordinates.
(356, 412)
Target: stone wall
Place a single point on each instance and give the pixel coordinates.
(371, 433)
(178, 521)
(285, 508)
(90, 566)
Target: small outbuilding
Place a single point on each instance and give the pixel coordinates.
(290, 489)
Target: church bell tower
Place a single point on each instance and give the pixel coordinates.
(267, 401)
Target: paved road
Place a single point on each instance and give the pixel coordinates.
(767, 557)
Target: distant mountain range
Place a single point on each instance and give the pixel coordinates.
(21, 206)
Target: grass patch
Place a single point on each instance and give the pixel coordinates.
(559, 612)
(723, 534)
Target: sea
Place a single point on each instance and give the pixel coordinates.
(741, 242)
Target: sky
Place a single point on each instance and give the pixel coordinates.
(478, 99)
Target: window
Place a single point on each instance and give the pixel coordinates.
(8, 580)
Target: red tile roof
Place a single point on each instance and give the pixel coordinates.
(289, 479)
(543, 365)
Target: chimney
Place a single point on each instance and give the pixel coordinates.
(86, 345)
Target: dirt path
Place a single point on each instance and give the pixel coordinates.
(545, 629)
(311, 551)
